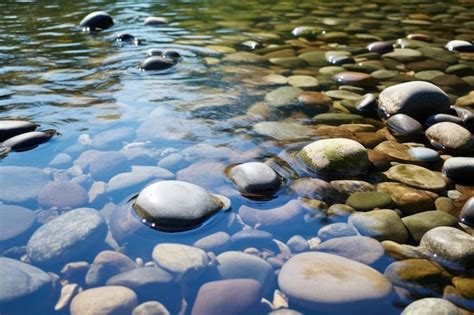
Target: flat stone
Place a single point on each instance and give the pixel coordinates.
(259, 239)
(380, 47)
(236, 296)
(24, 184)
(424, 154)
(343, 95)
(180, 260)
(420, 223)
(348, 187)
(404, 55)
(336, 230)
(314, 188)
(450, 137)
(303, 81)
(16, 225)
(417, 99)
(395, 151)
(330, 283)
(112, 139)
(459, 46)
(337, 118)
(380, 224)
(283, 130)
(109, 300)
(315, 58)
(255, 178)
(282, 96)
(439, 54)
(431, 306)
(62, 194)
(24, 289)
(155, 21)
(314, 102)
(102, 165)
(12, 128)
(217, 242)
(177, 205)
(408, 200)
(244, 57)
(335, 157)
(354, 78)
(97, 21)
(67, 237)
(417, 177)
(366, 201)
(449, 247)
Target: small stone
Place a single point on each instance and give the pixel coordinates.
(349, 187)
(314, 102)
(431, 306)
(336, 230)
(62, 194)
(244, 57)
(16, 225)
(180, 260)
(12, 128)
(450, 137)
(354, 78)
(380, 47)
(404, 55)
(283, 130)
(459, 46)
(380, 224)
(460, 169)
(255, 178)
(337, 118)
(257, 239)
(366, 201)
(155, 21)
(26, 141)
(335, 157)
(155, 63)
(303, 81)
(150, 308)
(106, 265)
(407, 199)
(298, 244)
(417, 177)
(420, 223)
(97, 21)
(424, 154)
(283, 96)
(109, 300)
(217, 242)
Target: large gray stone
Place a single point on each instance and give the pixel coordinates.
(21, 184)
(16, 225)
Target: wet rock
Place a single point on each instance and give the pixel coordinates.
(314, 102)
(12, 128)
(366, 201)
(244, 57)
(252, 238)
(180, 260)
(102, 165)
(335, 157)
(106, 265)
(349, 187)
(449, 247)
(315, 58)
(459, 46)
(354, 78)
(172, 55)
(155, 21)
(420, 277)
(62, 194)
(306, 31)
(62, 159)
(237, 296)
(420, 223)
(467, 212)
(26, 141)
(303, 81)
(177, 205)
(462, 294)
(336, 230)
(67, 237)
(424, 154)
(450, 137)
(155, 63)
(238, 265)
(395, 151)
(282, 96)
(273, 219)
(150, 283)
(315, 188)
(417, 99)
(150, 308)
(330, 283)
(367, 104)
(24, 184)
(283, 130)
(298, 244)
(97, 21)
(289, 62)
(363, 249)
(16, 225)
(401, 125)
(404, 55)
(337, 118)
(459, 169)
(109, 300)
(417, 177)
(255, 178)
(380, 224)
(431, 306)
(407, 199)
(125, 37)
(380, 47)
(217, 242)
(112, 139)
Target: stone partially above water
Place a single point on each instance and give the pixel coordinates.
(467, 212)
(26, 141)
(417, 99)
(332, 284)
(179, 259)
(255, 178)
(11, 128)
(450, 137)
(460, 169)
(97, 21)
(156, 63)
(67, 237)
(335, 157)
(176, 205)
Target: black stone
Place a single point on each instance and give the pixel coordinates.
(11, 128)
(27, 141)
(154, 52)
(467, 213)
(404, 126)
(155, 63)
(125, 37)
(172, 55)
(97, 21)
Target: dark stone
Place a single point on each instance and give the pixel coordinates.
(26, 141)
(97, 21)
(380, 47)
(154, 52)
(172, 55)
(155, 63)
(155, 21)
(11, 128)
(404, 126)
(368, 103)
(467, 212)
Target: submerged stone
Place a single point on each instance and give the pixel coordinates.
(467, 212)
(176, 205)
(380, 224)
(16, 225)
(109, 300)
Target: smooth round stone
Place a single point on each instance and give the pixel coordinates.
(348, 187)
(180, 259)
(125, 37)
(420, 223)
(217, 242)
(11, 128)
(439, 54)
(427, 65)
(102, 165)
(404, 55)
(67, 237)
(315, 58)
(354, 78)
(366, 201)
(424, 154)
(302, 81)
(275, 219)
(420, 37)
(404, 126)
(16, 224)
(150, 308)
(109, 300)
(283, 96)
(155, 21)
(432, 306)
(236, 296)
(380, 47)
(314, 102)
(407, 199)
(395, 151)
(280, 130)
(154, 52)
(432, 120)
(105, 265)
(467, 212)
(417, 99)
(335, 157)
(335, 230)
(337, 118)
(328, 283)
(298, 244)
(255, 178)
(238, 265)
(380, 224)
(368, 103)
(339, 57)
(252, 238)
(417, 177)
(314, 188)
(420, 277)
(156, 63)
(289, 62)
(97, 21)
(331, 70)
(449, 247)
(459, 46)
(343, 95)
(305, 31)
(176, 205)
(452, 81)
(172, 55)
(363, 249)
(26, 141)
(450, 137)
(24, 289)
(24, 183)
(62, 194)
(150, 283)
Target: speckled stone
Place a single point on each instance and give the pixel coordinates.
(450, 137)
(417, 177)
